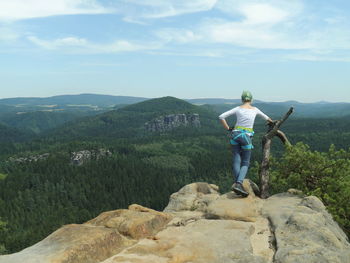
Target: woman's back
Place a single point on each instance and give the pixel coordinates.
(245, 115)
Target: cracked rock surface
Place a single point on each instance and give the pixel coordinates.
(199, 225)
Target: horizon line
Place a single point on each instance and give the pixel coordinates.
(148, 98)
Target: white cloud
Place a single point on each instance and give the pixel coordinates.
(288, 26)
(58, 43)
(256, 24)
(314, 56)
(81, 45)
(131, 10)
(182, 36)
(266, 24)
(11, 10)
(247, 35)
(134, 10)
(127, 46)
(7, 34)
(263, 13)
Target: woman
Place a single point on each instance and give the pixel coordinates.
(241, 138)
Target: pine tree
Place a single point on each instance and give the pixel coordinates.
(2, 235)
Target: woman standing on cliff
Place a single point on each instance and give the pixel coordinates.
(241, 138)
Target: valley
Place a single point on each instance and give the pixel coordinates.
(145, 167)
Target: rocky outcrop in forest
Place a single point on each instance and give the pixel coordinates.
(76, 158)
(81, 157)
(172, 121)
(32, 158)
(200, 225)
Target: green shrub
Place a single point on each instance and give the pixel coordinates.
(2, 230)
(323, 174)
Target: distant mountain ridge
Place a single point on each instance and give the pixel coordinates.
(301, 110)
(110, 100)
(42, 114)
(93, 99)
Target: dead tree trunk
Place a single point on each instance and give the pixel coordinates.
(266, 147)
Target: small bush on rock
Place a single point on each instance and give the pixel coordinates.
(323, 174)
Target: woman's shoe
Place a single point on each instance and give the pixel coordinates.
(238, 189)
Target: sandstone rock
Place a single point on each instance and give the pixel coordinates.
(233, 207)
(136, 222)
(263, 240)
(254, 187)
(183, 218)
(81, 157)
(203, 241)
(172, 121)
(304, 231)
(295, 191)
(192, 197)
(31, 158)
(73, 244)
(95, 240)
(201, 226)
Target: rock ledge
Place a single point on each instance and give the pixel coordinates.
(200, 226)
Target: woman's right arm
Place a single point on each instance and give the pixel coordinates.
(224, 123)
(226, 114)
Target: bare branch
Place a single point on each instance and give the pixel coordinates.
(273, 130)
(289, 112)
(283, 138)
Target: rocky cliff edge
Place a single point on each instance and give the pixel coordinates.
(200, 226)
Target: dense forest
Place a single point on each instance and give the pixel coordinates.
(37, 197)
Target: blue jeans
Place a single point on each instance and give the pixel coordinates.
(241, 149)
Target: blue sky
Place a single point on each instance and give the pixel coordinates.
(278, 49)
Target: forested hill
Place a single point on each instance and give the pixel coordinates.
(11, 135)
(60, 109)
(40, 121)
(129, 121)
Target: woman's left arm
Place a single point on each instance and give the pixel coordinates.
(263, 115)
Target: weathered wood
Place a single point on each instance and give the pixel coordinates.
(264, 170)
(283, 138)
(276, 125)
(273, 130)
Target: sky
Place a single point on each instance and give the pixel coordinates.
(278, 49)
